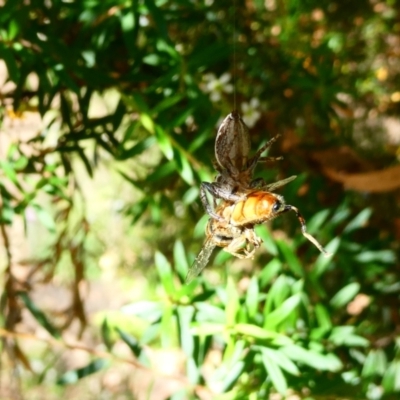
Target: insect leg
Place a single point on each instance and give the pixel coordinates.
(304, 230)
(270, 159)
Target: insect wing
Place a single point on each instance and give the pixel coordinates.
(201, 260)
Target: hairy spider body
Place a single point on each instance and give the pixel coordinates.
(235, 167)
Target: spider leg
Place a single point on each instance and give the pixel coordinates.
(257, 157)
(203, 197)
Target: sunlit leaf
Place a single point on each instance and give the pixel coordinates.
(282, 360)
(375, 363)
(184, 168)
(274, 372)
(205, 329)
(185, 317)
(283, 311)
(323, 362)
(323, 317)
(383, 256)
(261, 333)
(232, 306)
(180, 260)
(345, 295)
(148, 310)
(270, 271)
(164, 143)
(233, 374)
(391, 378)
(165, 273)
(291, 258)
(317, 221)
(322, 263)
(279, 291)
(252, 297)
(45, 217)
(346, 336)
(359, 221)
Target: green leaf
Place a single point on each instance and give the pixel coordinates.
(9, 171)
(270, 271)
(209, 312)
(341, 214)
(147, 123)
(252, 298)
(132, 343)
(345, 336)
(151, 311)
(359, 221)
(314, 224)
(13, 29)
(167, 327)
(282, 312)
(158, 17)
(323, 362)
(274, 372)
(185, 317)
(281, 360)
(345, 295)
(20, 163)
(127, 22)
(45, 218)
(190, 196)
(180, 259)
(291, 258)
(168, 102)
(164, 143)
(391, 378)
(39, 315)
(375, 363)
(322, 263)
(257, 332)
(152, 59)
(165, 273)
(184, 168)
(12, 67)
(279, 291)
(268, 242)
(137, 149)
(208, 329)
(232, 375)
(106, 334)
(232, 302)
(381, 256)
(323, 317)
(74, 376)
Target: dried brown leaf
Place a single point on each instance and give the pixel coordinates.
(384, 180)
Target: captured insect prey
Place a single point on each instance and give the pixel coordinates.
(239, 201)
(235, 231)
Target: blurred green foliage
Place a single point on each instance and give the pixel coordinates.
(139, 87)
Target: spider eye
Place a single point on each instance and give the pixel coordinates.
(277, 206)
